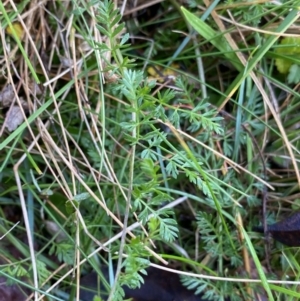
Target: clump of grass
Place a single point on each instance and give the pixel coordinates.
(112, 167)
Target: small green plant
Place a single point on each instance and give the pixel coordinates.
(142, 170)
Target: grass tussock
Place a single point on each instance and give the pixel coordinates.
(149, 132)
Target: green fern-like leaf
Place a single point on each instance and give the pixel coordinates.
(193, 283)
(63, 251)
(43, 272)
(202, 115)
(149, 168)
(207, 223)
(108, 19)
(119, 293)
(172, 169)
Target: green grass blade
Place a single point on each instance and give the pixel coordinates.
(213, 37)
(22, 127)
(258, 56)
(18, 41)
(258, 265)
(285, 291)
